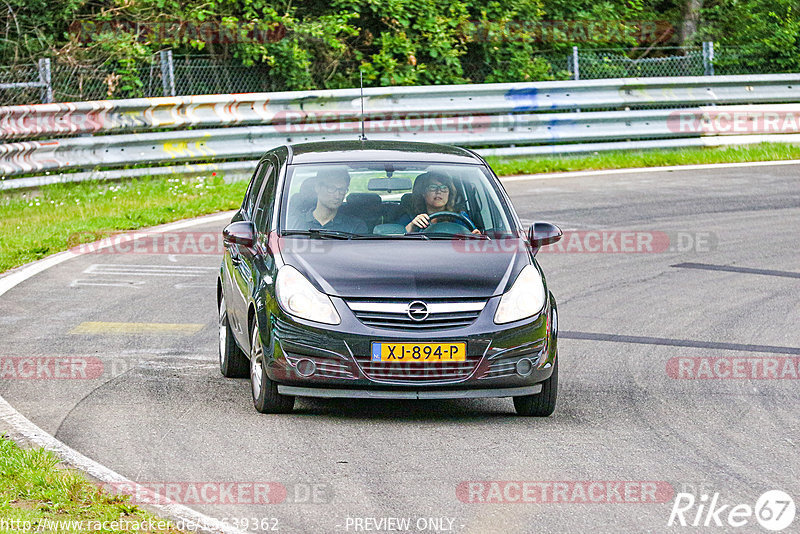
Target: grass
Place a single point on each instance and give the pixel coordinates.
(37, 223)
(34, 488)
(650, 158)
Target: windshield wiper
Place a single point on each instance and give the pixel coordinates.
(390, 236)
(445, 235)
(321, 233)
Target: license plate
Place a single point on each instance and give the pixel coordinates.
(418, 352)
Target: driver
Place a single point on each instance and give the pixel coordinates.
(432, 192)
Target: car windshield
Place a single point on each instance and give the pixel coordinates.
(392, 200)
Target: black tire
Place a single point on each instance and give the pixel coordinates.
(232, 361)
(266, 398)
(543, 403)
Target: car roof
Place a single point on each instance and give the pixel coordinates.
(347, 151)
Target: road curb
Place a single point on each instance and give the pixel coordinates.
(20, 429)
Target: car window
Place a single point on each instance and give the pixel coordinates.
(253, 189)
(265, 200)
(382, 198)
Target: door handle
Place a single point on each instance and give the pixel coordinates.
(233, 250)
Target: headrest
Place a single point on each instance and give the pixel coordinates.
(365, 200)
(306, 197)
(407, 204)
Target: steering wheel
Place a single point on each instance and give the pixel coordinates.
(457, 217)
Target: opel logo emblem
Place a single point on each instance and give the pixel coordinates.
(417, 311)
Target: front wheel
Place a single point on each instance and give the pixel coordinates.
(266, 398)
(543, 403)
(232, 361)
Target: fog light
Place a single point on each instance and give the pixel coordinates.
(524, 367)
(306, 367)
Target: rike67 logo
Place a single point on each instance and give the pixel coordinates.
(774, 511)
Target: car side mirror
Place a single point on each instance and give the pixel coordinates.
(241, 233)
(543, 233)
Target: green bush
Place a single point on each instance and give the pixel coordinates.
(324, 44)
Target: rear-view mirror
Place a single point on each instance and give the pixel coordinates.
(389, 184)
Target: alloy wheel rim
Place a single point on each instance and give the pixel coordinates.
(255, 364)
(223, 330)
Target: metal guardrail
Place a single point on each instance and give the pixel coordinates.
(106, 116)
(529, 118)
(552, 130)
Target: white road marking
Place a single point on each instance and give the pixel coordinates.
(118, 283)
(176, 366)
(139, 273)
(193, 286)
(642, 170)
(173, 268)
(119, 269)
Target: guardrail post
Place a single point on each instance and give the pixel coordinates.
(167, 73)
(576, 70)
(708, 58)
(46, 80)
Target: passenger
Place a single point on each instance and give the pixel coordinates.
(330, 190)
(432, 193)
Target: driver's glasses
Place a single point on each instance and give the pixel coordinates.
(333, 190)
(437, 189)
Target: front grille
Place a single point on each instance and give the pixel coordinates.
(418, 371)
(392, 314)
(393, 320)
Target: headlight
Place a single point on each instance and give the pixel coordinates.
(524, 299)
(297, 296)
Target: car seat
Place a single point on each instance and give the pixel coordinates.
(365, 206)
(306, 198)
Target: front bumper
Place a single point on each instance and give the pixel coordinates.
(330, 393)
(308, 360)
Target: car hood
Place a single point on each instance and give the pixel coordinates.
(396, 268)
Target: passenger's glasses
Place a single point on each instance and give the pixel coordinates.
(333, 190)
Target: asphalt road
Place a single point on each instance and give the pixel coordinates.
(160, 412)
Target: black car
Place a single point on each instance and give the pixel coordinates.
(390, 270)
